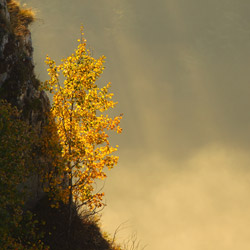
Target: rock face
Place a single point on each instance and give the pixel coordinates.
(18, 84)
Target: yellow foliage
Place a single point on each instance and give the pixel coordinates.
(78, 110)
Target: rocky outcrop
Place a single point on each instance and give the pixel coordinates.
(18, 83)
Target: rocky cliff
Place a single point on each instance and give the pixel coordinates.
(18, 83)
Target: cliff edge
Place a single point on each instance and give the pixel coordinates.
(18, 83)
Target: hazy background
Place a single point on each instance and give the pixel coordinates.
(180, 71)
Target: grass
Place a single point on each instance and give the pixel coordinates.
(20, 18)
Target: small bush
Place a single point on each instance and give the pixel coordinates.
(17, 227)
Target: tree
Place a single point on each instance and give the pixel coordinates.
(78, 110)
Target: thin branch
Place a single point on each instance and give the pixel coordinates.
(118, 229)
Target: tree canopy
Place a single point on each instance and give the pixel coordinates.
(78, 110)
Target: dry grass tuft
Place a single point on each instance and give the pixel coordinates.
(20, 17)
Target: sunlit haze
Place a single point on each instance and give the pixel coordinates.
(180, 72)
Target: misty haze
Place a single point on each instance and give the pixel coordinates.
(180, 72)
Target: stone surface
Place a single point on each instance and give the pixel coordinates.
(3, 10)
(18, 83)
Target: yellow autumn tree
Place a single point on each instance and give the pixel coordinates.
(78, 109)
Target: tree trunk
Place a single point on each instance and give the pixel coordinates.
(70, 209)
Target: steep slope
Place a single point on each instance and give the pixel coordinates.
(18, 83)
(20, 87)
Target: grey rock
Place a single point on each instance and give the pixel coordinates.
(20, 87)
